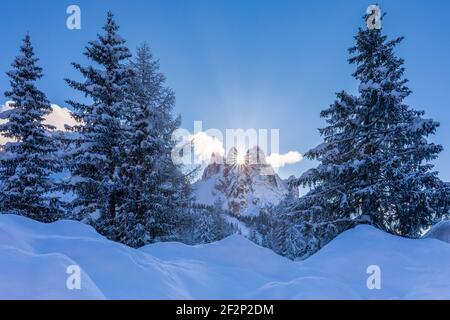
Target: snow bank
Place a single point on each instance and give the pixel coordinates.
(34, 258)
(440, 231)
(410, 269)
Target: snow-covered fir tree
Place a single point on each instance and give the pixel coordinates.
(156, 193)
(209, 224)
(28, 161)
(95, 155)
(442, 204)
(375, 159)
(297, 234)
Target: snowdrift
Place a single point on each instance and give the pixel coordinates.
(440, 231)
(34, 258)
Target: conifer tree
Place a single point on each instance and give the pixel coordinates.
(375, 160)
(95, 157)
(28, 161)
(156, 194)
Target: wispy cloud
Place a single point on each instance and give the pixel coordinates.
(280, 160)
(205, 145)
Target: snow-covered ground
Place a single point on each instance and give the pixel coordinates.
(440, 231)
(34, 258)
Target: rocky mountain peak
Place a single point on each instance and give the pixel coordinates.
(243, 183)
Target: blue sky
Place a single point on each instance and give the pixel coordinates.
(249, 63)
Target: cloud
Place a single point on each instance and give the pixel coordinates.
(58, 118)
(280, 160)
(205, 145)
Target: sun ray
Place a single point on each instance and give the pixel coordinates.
(240, 159)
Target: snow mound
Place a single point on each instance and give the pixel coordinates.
(410, 269)
(440, 231)
(34, 258)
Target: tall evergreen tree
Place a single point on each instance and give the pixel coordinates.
(95, 158)
(156, 193)
(27, 162)
(375, 159)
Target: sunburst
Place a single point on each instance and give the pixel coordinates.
(240, 158)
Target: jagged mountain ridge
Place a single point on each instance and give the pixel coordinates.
(241, 185)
